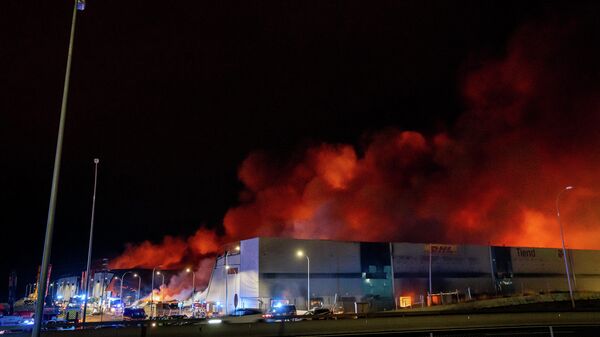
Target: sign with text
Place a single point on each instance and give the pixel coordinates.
(439, 249)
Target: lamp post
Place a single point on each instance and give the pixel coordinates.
(226, 288)
(162, 284)
(152, 292)
(41, 290)
(139, 286)
(121, 288)
(102, 299)
(300, 254)
(562, 237)
(189, 270)
(89, 256)
(430, 287)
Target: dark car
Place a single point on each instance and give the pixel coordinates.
(134, 314)
(244, 315)
(283, 312)
(318, 313)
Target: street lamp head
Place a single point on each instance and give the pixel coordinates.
(227, 267)
(96, 160)
(237, 248)
(158, 272)
(135, 275)
(300, 253)
(569, 188)
(187, 270)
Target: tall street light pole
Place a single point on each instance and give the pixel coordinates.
(152, 292)
(391, 247)
(300, 254)
(39, 308)
(562, 237)
(139, 285)
(162, 285)
(190, 270)
(89, 256)
(226, 277)
(430, 287)
(121, 288)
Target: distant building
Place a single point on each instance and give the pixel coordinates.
(266, 271)
(99, 284)
(64, 288)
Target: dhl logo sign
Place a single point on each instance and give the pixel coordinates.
(441, 249)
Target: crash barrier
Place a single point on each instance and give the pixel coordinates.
(354, 324)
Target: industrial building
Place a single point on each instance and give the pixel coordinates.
(261, 272)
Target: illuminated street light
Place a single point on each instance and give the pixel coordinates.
(41, 290)
(152, 290)
(562, 237)
(139, 285)
(89, 256)
(189, 270)
(301, 254)
(162, 285)
(121, 289)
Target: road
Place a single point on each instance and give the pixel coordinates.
(573, 324)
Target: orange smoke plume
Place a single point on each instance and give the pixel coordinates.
(529, 130)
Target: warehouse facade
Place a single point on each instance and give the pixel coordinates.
(261, 272)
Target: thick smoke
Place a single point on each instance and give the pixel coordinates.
(530, 128)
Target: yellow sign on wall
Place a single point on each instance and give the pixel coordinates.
(405, 301)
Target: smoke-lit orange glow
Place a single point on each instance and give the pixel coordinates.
(167, 254)
(336, 166)
(492, 177)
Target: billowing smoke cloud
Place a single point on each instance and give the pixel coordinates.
(196, 253)
(531, 127)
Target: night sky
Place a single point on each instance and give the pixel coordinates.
(173, 95)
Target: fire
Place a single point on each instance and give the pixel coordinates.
(530, 129)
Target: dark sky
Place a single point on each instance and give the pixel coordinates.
(172, 95)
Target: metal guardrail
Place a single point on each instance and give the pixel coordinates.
(151, 323)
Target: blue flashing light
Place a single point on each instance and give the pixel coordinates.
(80, 5)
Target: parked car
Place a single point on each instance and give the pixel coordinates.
(318, 314)
(244, 315)
(283, 312)
(130, 314)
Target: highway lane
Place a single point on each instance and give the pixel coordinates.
(513, 324)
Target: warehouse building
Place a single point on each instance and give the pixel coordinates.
(261, 272)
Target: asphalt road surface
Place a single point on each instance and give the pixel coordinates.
(573, 324)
